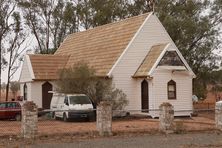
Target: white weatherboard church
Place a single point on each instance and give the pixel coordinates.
(136, 53)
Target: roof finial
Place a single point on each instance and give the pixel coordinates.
(152, 5)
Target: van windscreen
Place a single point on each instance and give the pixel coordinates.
(79, 100)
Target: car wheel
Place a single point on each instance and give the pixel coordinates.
(18, 117)
(65, 117)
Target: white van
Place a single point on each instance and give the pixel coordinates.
(71, 106)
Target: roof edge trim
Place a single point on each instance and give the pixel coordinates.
(158, 59)
(129, 44)
(30, 66)
(185, 63)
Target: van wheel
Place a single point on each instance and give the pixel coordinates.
(65, 117)
(53, 115)
(92, 118)
(18, 117)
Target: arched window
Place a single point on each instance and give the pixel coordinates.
(171, 90)
(25, 91)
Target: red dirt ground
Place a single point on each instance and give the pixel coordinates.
(125, 125)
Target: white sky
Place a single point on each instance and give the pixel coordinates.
(30, 43)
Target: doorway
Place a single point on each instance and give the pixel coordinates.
(144, 96)
(46, 96)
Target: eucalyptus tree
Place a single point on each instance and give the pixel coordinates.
(49, 21)
(10, 38)
(15, 48)
(194, 26)
(92, 13)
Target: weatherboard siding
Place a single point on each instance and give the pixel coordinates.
(28, 84)
(25, 72)
(34, 91)
(36, 95)
(183, 90)
(151, 33)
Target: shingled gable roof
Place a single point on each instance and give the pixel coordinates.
(149, 60)
(101, 47)
(45, 67)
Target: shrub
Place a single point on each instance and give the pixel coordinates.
(82, 79)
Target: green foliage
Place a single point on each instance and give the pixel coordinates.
(81, 79)
(194, 27)
(49, 21)
(119, 100)
(216, 82)
(94, 13)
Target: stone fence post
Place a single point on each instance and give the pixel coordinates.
(166, 117)
(29, 120)
(218, 115)
(104, 118)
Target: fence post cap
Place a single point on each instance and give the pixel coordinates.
(165, 104)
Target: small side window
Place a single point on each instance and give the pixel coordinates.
(171, 89)
(10, 105)
(2, 105)
(25, 91)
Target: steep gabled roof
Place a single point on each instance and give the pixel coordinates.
(153, 58)
(45, 67)
(101, 47)
(149, 60)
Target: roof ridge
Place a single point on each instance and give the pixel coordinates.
(108, 24)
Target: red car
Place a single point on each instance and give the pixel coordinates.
(10, 110)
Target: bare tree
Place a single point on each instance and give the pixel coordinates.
(7, 8)
(49, 21)
(15, 40)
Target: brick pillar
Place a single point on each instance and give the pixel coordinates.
(29, 120)
(104, 118)
(166, 118)
(218, 115)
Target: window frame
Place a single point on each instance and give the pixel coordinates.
(172, 83)
(25, 92)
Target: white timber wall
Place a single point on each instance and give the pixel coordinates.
(36, 94)
(151, 33)
(29, 90)
(25, 75)
(34, 91)
(159, 94)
